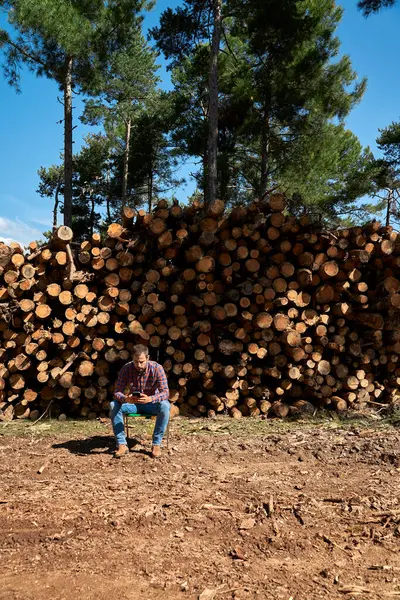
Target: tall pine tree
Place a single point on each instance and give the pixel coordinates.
(280, 85)
(294, 79)
(93, 191)
(128, 83)
(182, 34)
(71, 42)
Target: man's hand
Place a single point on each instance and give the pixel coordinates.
(142, 399)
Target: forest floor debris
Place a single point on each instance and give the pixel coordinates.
(235, 510)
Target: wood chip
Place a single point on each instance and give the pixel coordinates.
(354, 589)
(247, 524)
(208, 594)
(214, 507)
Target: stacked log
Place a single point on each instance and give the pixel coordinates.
(251, 312)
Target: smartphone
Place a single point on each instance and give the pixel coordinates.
(136, 394)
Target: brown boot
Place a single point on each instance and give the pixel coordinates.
(122, 450)
(156, 452)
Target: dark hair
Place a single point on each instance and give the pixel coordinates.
(140, 349)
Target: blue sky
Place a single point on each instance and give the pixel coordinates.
(30, 135)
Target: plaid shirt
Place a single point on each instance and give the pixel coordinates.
(153, 382)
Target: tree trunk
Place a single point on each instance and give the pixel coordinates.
(212, 171)
(150, 191)
(108, 210)
(126, 160)
(56, 203)
(264, 155)
(389, 207)
(204, 181)
(68, 143)
(91, 212)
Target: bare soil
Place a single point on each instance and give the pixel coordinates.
(234, 510)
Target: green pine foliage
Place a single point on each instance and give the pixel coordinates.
(71, 42)
(284, 92)
(283, 97)
(372, 6)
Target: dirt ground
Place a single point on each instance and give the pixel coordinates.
(235, 510)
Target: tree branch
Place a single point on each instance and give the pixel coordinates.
(27, 55)
(228, 46)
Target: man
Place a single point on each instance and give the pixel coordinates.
(148, 395)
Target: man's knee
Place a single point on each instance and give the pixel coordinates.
(165, 407)
(127, 409)
(114, 407)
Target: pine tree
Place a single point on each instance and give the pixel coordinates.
(70, 42)
(294, 79)
(129, 81)
(327, 174)
(92, 189)
(153, 160)
(182, 34)
(387, 184)
(51, 185)
(281, 87)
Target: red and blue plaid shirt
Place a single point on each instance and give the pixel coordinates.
(152, 382)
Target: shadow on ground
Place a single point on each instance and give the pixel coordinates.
(98, 444)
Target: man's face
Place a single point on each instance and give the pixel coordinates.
(140, 361)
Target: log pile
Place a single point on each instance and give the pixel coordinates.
(251, 313)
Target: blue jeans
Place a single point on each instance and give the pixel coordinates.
(158, 409)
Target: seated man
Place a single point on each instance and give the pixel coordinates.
(148, 395)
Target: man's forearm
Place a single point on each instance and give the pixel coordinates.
(124, 379)
(161, 389)
(160, 396)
